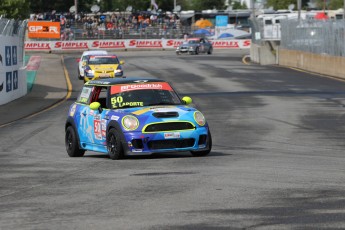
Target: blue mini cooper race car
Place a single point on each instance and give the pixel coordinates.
(134, 116)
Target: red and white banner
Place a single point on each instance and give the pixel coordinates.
(127, 44)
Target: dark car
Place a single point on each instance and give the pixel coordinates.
(134, 116)
(195, 46)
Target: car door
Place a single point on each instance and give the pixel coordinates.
(202, 45)
(99, 117)
(84, 116)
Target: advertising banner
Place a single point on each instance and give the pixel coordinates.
(126, 44)
(43, 29)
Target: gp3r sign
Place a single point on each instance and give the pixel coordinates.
(43, 29)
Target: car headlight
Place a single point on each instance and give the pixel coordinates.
(130, 122)
(90, 71)
(118, 71)
(199, 118)
(177, 48)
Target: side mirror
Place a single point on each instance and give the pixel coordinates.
(122, 62)
(84, 63)
(96, 106)
(187, 100)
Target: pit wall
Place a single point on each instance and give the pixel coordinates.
(126, 44)
(12, 71)
(317, 63)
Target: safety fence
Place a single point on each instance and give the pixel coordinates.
(308, 35)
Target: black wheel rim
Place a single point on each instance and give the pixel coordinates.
(112, 144)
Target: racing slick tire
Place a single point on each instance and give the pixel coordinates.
(204, 152)
(210, 51)
(114, 145)
(71, 143)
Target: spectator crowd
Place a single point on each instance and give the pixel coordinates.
(111, 25)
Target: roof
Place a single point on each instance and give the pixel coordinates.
(103, 56)
(94, 52)
(122, 80)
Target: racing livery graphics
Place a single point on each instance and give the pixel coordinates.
(121, 116)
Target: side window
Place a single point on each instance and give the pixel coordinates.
(84, 96)
(100, 95)
(102, 98)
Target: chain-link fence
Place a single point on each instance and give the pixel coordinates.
(315, 36)
(11, 27)
(85, 31)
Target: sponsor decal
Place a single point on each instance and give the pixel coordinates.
(8, 56)
(43, 29)
(225, 44)
(114, 118)
(14, 55)
(37, 46)
(15, 79)
(97, 127)
(231, 44)
(152, 85)
(108, 44)
(104, 127)
(146, 43)
(172, 135)
(173, 43)
(71, 45)
(137, 150)
(72, 110)
(8, 81)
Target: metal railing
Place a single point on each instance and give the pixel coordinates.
(11, 27)
(309, 35)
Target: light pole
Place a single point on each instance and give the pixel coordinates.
(299, 6)
(76, 9)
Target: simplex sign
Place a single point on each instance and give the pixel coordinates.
(127, 44)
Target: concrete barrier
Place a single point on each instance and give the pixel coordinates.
(317, 63)
(12, 72)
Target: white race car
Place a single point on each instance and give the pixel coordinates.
(84, 58)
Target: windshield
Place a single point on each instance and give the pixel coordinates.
(103, 60)
(192, 42)
(143, 94)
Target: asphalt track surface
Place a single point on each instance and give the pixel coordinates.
(277, 162)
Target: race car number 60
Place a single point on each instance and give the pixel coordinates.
(115, 100)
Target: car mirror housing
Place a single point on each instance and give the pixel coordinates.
(84, 63)
(96, 106)
(187, 100)
(122, 62)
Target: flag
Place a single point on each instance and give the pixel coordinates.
(154, 4)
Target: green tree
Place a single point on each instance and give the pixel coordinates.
(208, 4)
(330, 5)
(284, 4)
(16, 9)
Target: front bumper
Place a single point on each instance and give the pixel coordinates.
(138, 143)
